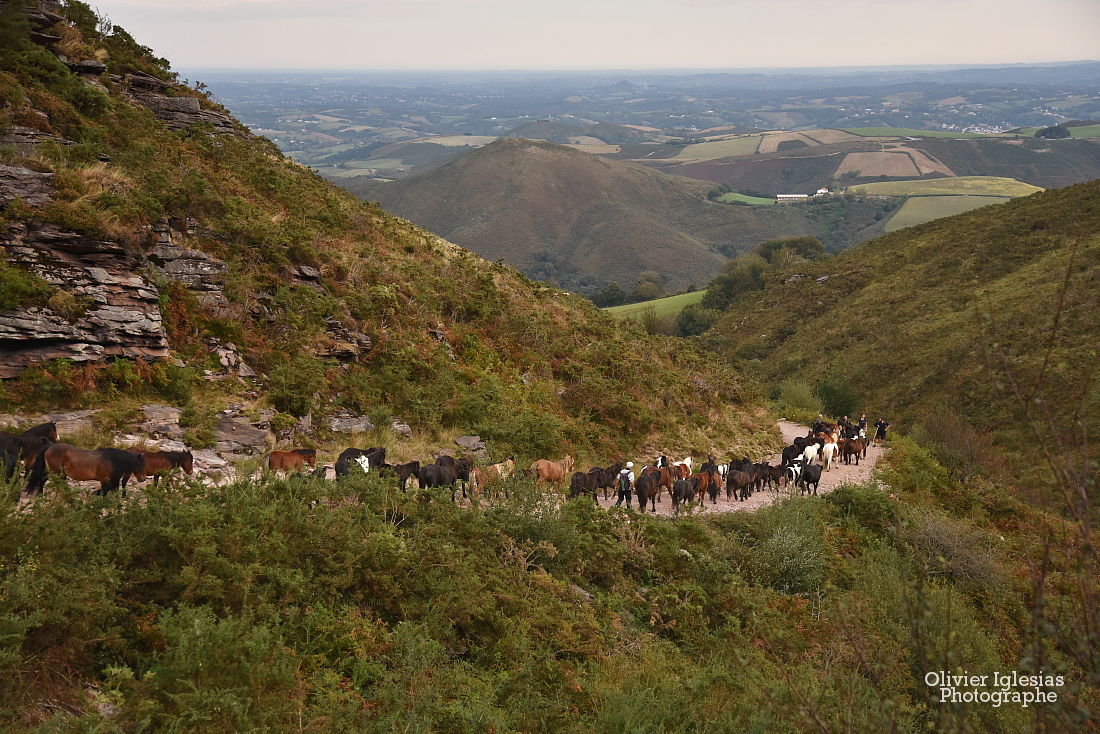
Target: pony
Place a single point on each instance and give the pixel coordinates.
(810, 475)
(607, 476)
(793, 471)
(404, 471)
(296, 459)
(461, 469)
(437, 475)
(810, 453)
(646, 489)
(683, 468)
(492, 475)
(663, 476)
(739, 483)
(376, 457)
(683, 490)
(827, 453)
(20, 447)
(776, 475)
(552, 472)
(110, 467)
(162, 462)
(585, 483)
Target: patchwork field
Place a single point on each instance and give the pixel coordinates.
(660, 307)
(961, 185)
(921, 209)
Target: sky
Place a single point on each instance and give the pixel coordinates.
(606, 34)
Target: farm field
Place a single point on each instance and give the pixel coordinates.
(920, 209)
(734, 198)
(458, 140)
(887, 163)
(719, 149)
(661, 306)
(956, 186)
(890, 132)
(1085, 131)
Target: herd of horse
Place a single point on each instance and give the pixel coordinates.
(826, 443)
(42, 453)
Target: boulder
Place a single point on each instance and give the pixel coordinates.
(238, 435)
(71, 423)
(472, 445)
(401, 428)
(162, 420)
(350, 423)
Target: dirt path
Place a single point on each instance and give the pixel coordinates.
(830, 480)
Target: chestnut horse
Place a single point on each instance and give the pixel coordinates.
(295, 459)
(109, 467)
(553, 472)
(162, 462)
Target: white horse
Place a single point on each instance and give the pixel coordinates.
(828, 451)
(810, 453)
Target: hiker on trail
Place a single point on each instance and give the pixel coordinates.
(863, 423)
(880, 433)
(625, 483)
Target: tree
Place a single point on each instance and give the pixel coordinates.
(1054, 132)
(611, 295)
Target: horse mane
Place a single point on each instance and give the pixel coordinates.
(122, 461)
(304, 452)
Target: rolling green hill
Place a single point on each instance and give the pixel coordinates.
(555, 212)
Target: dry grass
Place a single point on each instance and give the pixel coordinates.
(878, 164)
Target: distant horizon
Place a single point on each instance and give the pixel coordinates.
(634, 70)
(579, 35)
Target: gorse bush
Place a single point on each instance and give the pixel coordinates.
(355, 606)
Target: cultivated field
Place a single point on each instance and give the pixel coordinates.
(921, 209)
(897, 163)
(770, 143)
(733, 198)
(961, 185)
(719, 149)
(660, 307)
(925, 163)
(827, 136)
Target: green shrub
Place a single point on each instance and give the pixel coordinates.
(20, 288)
(866, 504)
(295, 385)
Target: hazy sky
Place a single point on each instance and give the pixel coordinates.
(606, 34)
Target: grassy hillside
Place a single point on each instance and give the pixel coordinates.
(920, 209)
(558, 213)
(456, 342)
(938, 319)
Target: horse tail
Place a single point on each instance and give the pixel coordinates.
(37, 480)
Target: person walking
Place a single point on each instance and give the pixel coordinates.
(880, 430)
(862, 424)
(625, 484)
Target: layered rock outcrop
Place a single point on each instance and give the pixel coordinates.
(111, 311)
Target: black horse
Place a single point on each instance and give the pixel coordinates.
(376, 458)
(586, 483)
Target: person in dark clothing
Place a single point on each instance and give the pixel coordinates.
(625, 484)
(863, 421)
(880, 430)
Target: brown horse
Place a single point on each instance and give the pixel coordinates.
(663, 477)
(162, 462)
(485, 478)
(295, 459)
(553, 472)
(110, 467)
